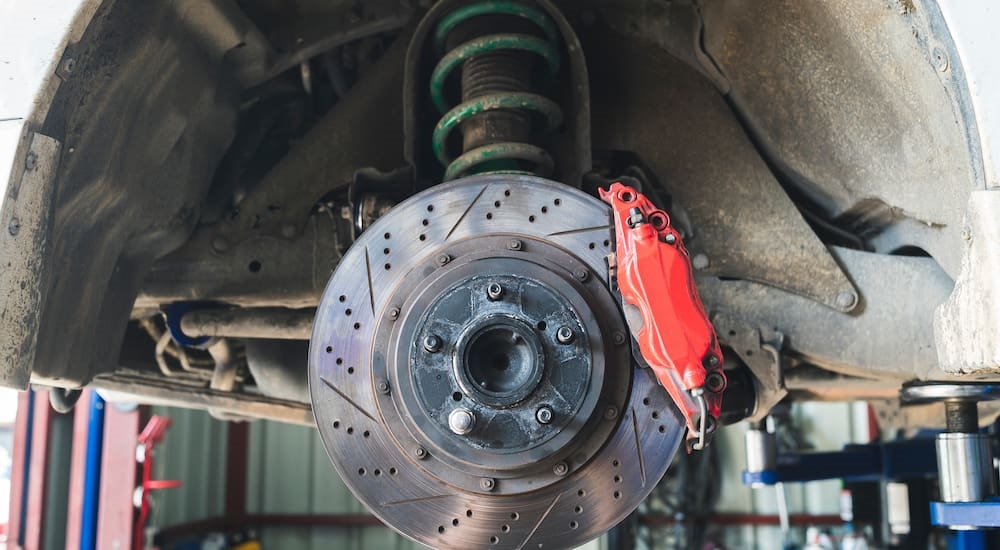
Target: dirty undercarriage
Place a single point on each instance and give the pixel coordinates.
(203, 169)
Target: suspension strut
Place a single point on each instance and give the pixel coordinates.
(501, 112)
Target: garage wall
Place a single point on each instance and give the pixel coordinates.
(288, 472)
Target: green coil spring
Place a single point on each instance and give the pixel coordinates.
(503, 156)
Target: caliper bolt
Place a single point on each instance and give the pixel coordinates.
(442, 260)
(564, 335)
(715, 382)
(420, 452)
(712, 360)
(670, 238)
(494, 291)
(14, 227)
(514, 244)
(543, 415)
(432, 343)
(581, 275)
(619, 338)
(611, 413)
(487, 483)
(461, 421)
(560, 469)
(383, 386)
(394, 313)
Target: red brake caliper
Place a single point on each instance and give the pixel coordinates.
(674, 334)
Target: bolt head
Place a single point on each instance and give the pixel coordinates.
(581, 275)
(494, 291)
(30, 161)
(514, 244)
(394, 313)
(619, 338)
(420, 452)
(220, 244)
(700, 261)
(544, 415)
(560, 469)
(432, 344)
(611, 412)
(383, 386)
(461, 421)
(14, 227)
(715, 382)
(670, 238)
(846, 299)
(442, 259)
(487, 483)
(564, 335)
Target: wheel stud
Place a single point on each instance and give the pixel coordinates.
(564, 335)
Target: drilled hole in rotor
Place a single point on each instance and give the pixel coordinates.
(617, 495)
(515, 516)
(592, 246)
(557, 202)
(578, 509)
(357, 326)
(618, 479)
(329, 349)
(350, 430)
(505, 528)
(254, 266)
(425, 222)
(607, 243)
(468, 513)
(377, 472)
(749, 352)
(388, 267)
(545, 210)
(350, 370)
(581, 493)
(454, 522)
(732, 333)
(342, 298)
(496, 204)
(336, 424)
(531, 219)
(387, 236)
(340, 361)
(541, 325)
(655, 415)
(663, 429)
(386, 251)
(645, 401)
(506, 193)
(494, 540)
(348, 312)
(573, 525)
(361, 471)
(441, 529)
(392, 471)
(367, 434)
(423, 237)
(489, 216)
(615, 463)
(430, 207)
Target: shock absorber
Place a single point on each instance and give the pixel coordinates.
(500, 114)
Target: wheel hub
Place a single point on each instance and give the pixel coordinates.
(470, 372)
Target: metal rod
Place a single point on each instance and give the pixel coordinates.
(264, 323)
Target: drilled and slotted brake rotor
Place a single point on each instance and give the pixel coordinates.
(471, 374)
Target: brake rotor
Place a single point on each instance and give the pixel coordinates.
(471, 375)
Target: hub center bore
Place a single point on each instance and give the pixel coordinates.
(500, 361)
